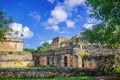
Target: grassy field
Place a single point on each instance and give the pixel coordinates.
(56, 78)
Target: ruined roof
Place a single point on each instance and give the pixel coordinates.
(12, 39)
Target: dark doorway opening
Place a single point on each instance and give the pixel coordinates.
(48, 61)
(65, 61)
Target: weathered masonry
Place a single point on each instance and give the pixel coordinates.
(63, 58)
(12, 54)
(11, 44)
(76, 52)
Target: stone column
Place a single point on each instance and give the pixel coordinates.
(68, 60)
(79, 62)
(62, 61)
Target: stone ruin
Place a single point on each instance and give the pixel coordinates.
(11, 44)
(76, 52)
(12, 54)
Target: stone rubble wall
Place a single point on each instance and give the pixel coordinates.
(101, 62)
(51, 72)
(12, 59)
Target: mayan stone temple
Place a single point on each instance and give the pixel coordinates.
(11, 44)
(12, 54)
(76, 52)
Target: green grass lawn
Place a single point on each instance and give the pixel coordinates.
(56, 78)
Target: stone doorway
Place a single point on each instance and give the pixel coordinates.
(75, 62)
(36, 60)
(65, 61)
(47, 61)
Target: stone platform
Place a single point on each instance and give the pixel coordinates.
(18, 58)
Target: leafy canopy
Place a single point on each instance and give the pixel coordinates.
(30, 50)
(108, 31)
(4, 22)
(44, 47)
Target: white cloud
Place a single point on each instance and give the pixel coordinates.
(64, 32)
(49, 41)
(17, 27)
(70, 24)
(53, 27)
(51, 21)
(51, 1)
(35, 16)
(88, 26)
(59, 15)
(62, 12)
(41, 42)
(74, 3)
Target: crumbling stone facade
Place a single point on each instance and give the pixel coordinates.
(11, 44)
(75, 52)
(12, 54)
(56, 44)
(15, 59)
(62, 58)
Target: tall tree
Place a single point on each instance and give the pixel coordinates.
(44, 47)
(4, 22)
(107, 32)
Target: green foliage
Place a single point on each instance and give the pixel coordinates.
(84, 54)
(73, 41)
(104, 35)
(4, 22)
(107, 32)
(118, 69)
(29, 50)
(44, 47)
(106, 10)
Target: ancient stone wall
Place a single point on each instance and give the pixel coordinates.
(56, 43)
(12, 59)
(101, 62)
(11, 43)
(90, 63)
(61, 60)
(11, 46)
(42, 73)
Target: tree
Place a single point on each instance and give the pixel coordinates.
(106, 10)
(44, 47)
(30, 50)
(4, 24)
(5, 29)
(16, 35)
(108, 31)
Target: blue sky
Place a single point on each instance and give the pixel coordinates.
(43, 20)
